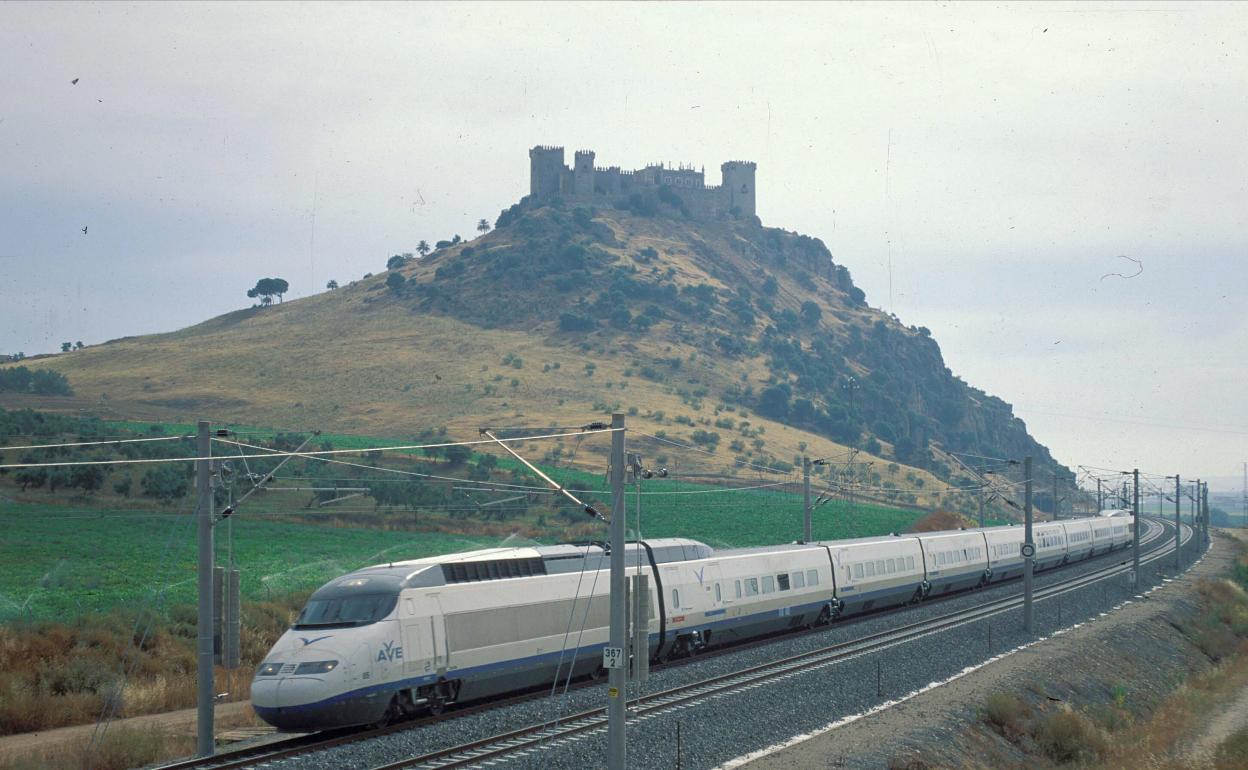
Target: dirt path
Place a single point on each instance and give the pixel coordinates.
(939, 715)
(26, 744)
(1234, 717)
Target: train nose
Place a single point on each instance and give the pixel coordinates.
(311, 690)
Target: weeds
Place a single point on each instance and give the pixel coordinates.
(1066, 736)
(1005, 713)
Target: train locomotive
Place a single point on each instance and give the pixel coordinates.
(416, 636)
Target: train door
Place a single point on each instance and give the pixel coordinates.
(424, 638)
(709, 579)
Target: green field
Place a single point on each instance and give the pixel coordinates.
(63, 560)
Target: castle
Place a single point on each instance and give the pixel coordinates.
(550, 178)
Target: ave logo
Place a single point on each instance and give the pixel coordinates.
(390, 653)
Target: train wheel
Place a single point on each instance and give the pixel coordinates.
(394, 712)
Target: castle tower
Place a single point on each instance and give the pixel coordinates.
(738, 189)
(546, 170)
(583, 173)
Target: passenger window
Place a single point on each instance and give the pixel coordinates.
(675, 598)
(892, 566)
(799, 580)
(857, 570)
(812, 577)
(879, 567)
(751, 586)
(782, 580)
(718, 596)
(870, 569)
(769, 584)
(738, 589)
(910, 562)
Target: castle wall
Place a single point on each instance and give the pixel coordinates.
(550, 178)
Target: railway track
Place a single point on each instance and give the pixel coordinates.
(532, 737)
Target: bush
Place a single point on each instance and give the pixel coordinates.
(1005, 712)
(165, 482)
(1068, 737)
(43, 382)
(575, 322)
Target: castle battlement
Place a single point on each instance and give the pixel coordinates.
(550, 178)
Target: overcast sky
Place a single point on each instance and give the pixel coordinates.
(982, 170)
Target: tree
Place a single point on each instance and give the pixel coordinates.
(483, 226)
(423, 248)
(811, 313)
(165, 482)
(456, 239)
(458, 455)
(78, 345)
(397, 261)
(331, 285)
(122, 487)
(88, 478)
(395, 282)
(46, 382)
(66, 346)
(267, 288)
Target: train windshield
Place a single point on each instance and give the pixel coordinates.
(346, 611)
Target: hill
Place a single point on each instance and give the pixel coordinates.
(746, 340)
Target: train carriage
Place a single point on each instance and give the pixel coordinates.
(1050, 541)
(1079, 539)
(955, 559)
(749, 592)
(1102, 535)
(876, 572)
(1005, 556)
(1122, 531)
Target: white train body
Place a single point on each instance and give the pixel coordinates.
(418, 635)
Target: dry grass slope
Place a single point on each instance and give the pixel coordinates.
(358, 359)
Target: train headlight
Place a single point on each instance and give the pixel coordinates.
(316, 667)
(269, 669)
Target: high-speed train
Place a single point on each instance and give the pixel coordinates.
(415, 636)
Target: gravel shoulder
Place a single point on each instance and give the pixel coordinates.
(931, 729)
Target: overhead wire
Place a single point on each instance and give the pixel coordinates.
(110, 442)
(316, 452)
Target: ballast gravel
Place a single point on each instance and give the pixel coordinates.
(713, 731)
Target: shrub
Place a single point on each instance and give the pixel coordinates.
(43, 382)
(705, 438)
(1005, 712)
(575, 322)
(165, 482)
(1068, 737)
